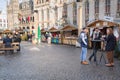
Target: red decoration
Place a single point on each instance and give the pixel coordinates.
(28, 18)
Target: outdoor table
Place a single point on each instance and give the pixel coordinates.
(102, 50)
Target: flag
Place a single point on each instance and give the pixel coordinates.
(39, 34)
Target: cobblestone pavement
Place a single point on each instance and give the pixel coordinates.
(53, 62)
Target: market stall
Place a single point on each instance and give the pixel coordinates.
(56, 38)
(102, 25)
(43, 34)
(69, 35)
(7, 31)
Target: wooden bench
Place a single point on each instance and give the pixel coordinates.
(15, 46)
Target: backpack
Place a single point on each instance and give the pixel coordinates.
(79, 40)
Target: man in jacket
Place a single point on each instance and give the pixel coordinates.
(7, 41)
(84, 44)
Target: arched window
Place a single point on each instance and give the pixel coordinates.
(86, 11)
(118, 8)
(107, 7)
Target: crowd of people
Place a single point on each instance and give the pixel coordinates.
(110, 43)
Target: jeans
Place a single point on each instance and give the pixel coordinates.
(93, 54)
(83, 54)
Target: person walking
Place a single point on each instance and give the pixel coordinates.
(96, 45)
(84, 44)
(110, 47)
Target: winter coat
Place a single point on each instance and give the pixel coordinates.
(111, 42)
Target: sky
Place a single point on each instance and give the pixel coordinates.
(3, 4)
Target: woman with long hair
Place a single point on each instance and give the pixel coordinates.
(110, 47)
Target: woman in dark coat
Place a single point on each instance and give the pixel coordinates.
(110, 47)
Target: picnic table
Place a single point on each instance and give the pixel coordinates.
(14, 46)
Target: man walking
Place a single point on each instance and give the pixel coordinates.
(84, 44)
(96, 45)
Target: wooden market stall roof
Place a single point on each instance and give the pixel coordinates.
(69, 28)
(102, 23)
(43, 30)
(53, 29)
(7, 31)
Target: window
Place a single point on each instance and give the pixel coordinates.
(65, 10)
(33, 27)
(107, 7)
(86, 11)
(0, 20)
(0, 25)
(28, 27)
(74, 13)
(96, 6)
(56, 13)
(39, 2)
(42, 15)
(48, 16)
(118, 9)
(47, 0)
(33, 18)
(4, 25)
(23, 27)
(96, 9)
(42, 1)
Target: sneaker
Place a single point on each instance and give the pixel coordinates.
(84, 62)
(109, 65)
(112, 64)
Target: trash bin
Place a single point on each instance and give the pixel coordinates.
(57, 40)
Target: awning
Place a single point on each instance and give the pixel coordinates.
(101, 23)
(69, 28)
